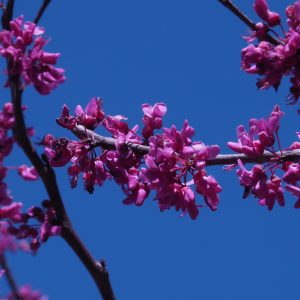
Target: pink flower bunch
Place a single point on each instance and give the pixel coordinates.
(261, 180)
(17, 225)
(173, 165)
(152, 118)
(273, 61)
(27, 293)
(8, 242)
(13, 221)
(90, 118)
(36, 66)
(261, 135)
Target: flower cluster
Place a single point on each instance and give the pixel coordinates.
(261, 180)
(272, 61)
(15, 225)
(36, 66)
(170, 167)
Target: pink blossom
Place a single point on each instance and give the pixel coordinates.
(34, 65)
(93, 114)
(28, 173)
(292, 174)
(262, 10)
(295, 190)
(27, 293)
(274, 60)
(152, 118)
(11, 211)
(264, 129)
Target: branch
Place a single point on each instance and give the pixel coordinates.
(236, 11)
(48, 177)
(41, 11)
(7, 14)
(10, 279)
(95, 269)
(221, 159)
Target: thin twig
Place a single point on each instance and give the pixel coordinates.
(99, 274)
(49, 180)
(236, 11)
(41, 11)
(222, 159)
(96, 268)
(10, 279)
(7, 14)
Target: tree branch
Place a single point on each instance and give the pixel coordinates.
(95, 269)
(7, 14)
(222, 159)
(49, 180)
(41, 11)
(236, 11)
(10, 279)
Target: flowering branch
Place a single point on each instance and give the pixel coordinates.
(9, 277)
(236, 11)
(45, 171)
(221, 159)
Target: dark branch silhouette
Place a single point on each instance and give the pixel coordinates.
(96, 269)
(221, 159)
(41, 11)
(10, 279)
(236, 11)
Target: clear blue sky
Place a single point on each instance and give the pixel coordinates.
(187, 54)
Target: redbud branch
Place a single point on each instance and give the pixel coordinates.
(97, 270)
(7, 14)
(49, 180)
(41, 11)
(10, 279)
(236, 11)
(222, 159)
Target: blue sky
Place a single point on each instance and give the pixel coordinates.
(186, 54)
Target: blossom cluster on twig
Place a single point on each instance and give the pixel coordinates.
(174, 165)
(274, 61)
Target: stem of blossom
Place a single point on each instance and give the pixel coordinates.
(7, 14)
(95, 269)
(221, 159)
(41, 11)
(236, 11)
(10, 279)
(49, 180)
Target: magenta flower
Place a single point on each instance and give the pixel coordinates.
(152, 118)
(262, 10)
(295, 190)
(27, 293)
(34, 65)
(246, 143)
(28, 173)
(292, 174)
(273, 61)
(93, 114)
(264, 129)
(12, 212)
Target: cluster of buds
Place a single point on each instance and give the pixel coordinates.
(273, 61)
(13, 221)
(170, 167)
(33, 64)
(262, 180)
